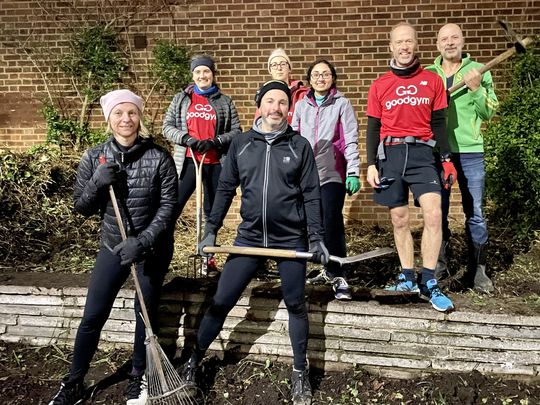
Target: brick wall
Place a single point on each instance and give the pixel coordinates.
(241, 34)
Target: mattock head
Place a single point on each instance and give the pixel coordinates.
(512, 36)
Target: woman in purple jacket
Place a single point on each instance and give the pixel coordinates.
(327, 119)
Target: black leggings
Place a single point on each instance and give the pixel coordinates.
(187, 183)
(236, 275)
(107, 278)
(332, 201)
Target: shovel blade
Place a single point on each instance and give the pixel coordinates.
(363, 256)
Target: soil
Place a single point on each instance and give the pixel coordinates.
(31, 376)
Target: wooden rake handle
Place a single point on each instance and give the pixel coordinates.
(145, 317)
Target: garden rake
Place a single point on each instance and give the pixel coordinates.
(165, 386)
(196, 261)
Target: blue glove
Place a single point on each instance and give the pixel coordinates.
(209, 239)
(320, 252)
(352, 184)
(130, 251)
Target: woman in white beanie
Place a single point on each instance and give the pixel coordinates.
(145, 183)
(280, 68)
(200, 120)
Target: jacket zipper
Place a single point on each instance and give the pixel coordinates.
(316, 135)
(265, 195)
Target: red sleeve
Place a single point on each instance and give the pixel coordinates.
(373, 104)
(440, 101)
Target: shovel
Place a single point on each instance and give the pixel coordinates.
(293, 254)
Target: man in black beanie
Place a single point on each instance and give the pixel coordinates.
(280, 208)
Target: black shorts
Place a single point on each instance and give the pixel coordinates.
(413, 167)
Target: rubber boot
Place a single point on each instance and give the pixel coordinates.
(441, 270)
(482, 283)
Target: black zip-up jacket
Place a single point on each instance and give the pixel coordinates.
(147, 192)
(280, 204)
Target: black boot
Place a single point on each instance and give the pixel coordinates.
(70, 393)
(301, 388)
(441, 270)
(189, 373)
(481, 281)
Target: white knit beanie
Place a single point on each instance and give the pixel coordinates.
(115, 97)
(278, 52)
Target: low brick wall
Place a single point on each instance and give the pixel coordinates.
(398, 339)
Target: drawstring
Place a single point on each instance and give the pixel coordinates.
(406, 159)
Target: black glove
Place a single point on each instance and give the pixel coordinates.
(106, 174)
(320, 252)
(190, 142)
(205, 145)
(130, 250)
(209, 239)
(219, 142)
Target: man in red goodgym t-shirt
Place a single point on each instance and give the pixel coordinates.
(406, 119)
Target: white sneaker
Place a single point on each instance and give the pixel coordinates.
(137, 391)
(341, 289)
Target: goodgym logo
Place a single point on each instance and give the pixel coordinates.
(202, 111)
(407, 95)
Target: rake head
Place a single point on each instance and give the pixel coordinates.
(165, 386)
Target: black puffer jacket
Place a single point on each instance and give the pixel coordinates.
(147, 192)
(280, 191)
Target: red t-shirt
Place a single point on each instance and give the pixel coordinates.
(201, 123)
(404, 104)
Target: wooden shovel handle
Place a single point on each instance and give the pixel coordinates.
(254, 251)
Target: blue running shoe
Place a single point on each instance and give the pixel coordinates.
(403, 285)
(432, 293)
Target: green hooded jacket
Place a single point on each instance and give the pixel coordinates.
(467, 109)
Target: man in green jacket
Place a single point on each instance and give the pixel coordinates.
(468, 107)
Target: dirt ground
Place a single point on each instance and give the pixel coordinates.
(31, 376)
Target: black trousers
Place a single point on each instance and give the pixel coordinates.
(237, 273)
(107, 278)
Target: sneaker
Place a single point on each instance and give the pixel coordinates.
(403, 285)
(301, 388)
(70, 393)
(321, 278)
(433, 294)
(137, 390)
(341, 289)
(209, 267)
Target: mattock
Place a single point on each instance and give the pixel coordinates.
(519, 46)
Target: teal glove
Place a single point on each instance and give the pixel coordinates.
(352, 184)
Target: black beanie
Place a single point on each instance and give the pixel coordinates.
(272, 85)
(203, 60)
